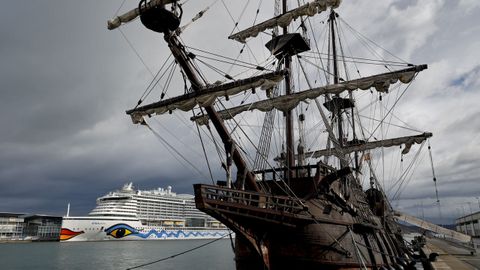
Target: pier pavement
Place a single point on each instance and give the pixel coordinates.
(451, 256)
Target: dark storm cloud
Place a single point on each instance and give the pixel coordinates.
(63, 135)
(51, 75)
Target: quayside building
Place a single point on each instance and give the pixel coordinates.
(29, 227)
(469, 224)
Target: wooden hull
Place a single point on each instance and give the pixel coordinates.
(316, 232)
(315, 249)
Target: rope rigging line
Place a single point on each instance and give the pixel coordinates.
(388, 128)
(410, 170)
(331, 134)
(360, 255)
(266, 134)
(135, 51)
(204, 151)
(433, 171)
(145, 94)
(393, 106)
(228, 11)
(406, 127)
(265, 140)
(186, 122)
(194, 64)
(318, 67)
(120, 7)
(404, 179)
(269, 65)
(212, 138)
(391, 113)
(374, 101)
(172, 153)
(236, 27)
(370, 49)
(158, 136)
(377, 251)
(342, 33)
(232, 63)
(236, 125)
(226, 75)
(383, 137)
(317, 49)
(289, 192)
(353, 60)
(180, 253)
(217, 70)
(240, 16)
(258, 11)
(360, 34)
(363, 39)
(225, 57)
(340, 44)
(351, 119)
(251, 52)
(168, 81)
(335, 240)
(176, 136)
(196, 17)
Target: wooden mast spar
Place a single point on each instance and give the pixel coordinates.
(180, 55)
(158, 19)
(288, 115)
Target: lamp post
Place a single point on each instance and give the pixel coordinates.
(471, 217)
(458, 221)
(464, 221)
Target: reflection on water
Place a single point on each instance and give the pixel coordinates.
(116, 255)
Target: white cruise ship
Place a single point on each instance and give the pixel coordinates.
(130, 214)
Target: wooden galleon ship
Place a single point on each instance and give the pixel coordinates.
(299, 208)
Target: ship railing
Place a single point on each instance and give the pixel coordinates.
(229, 196)
(298, 172)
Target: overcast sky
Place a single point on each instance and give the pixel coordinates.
(66, 81)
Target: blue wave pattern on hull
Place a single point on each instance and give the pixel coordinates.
(122, 230)
(178, 233)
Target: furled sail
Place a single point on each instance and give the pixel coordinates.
(380, 82)
(207, 95)
(309, 9)
(134, 13)
(408, 141)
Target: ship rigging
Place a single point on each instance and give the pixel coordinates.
(300, 206)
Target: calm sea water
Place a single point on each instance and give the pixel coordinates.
(116, 255)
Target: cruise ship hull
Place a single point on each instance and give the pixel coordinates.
(77, 229)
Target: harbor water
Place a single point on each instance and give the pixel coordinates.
(117, 255)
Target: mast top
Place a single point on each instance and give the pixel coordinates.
(134, 13)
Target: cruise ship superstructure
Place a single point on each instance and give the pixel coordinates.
(130, 214)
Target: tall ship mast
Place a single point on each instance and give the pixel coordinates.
(302, 207)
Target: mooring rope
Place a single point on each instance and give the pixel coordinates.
(180, 253)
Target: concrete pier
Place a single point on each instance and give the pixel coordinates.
(451, 256)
